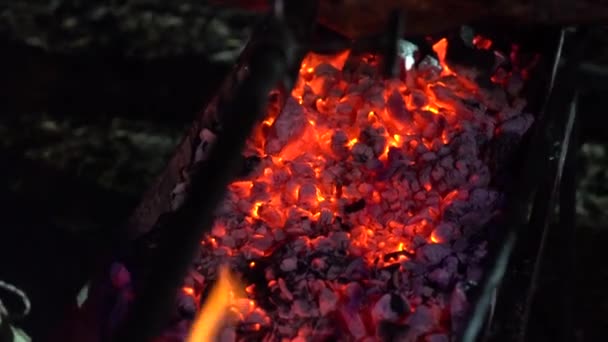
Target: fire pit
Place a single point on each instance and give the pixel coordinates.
(365, 207)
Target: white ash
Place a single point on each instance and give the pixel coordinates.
(363, 204)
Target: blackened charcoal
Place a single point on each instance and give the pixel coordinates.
(396, 108)
(399, 305)
(355, 206)
(461, 55)
(248, 165)
(186, 306)
(389, 331)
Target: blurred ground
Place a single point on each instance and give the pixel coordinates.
(94, 98)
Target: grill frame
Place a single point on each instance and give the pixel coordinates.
(155, 203)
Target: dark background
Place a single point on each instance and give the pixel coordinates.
(94, 98)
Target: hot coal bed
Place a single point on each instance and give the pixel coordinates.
(363, 208)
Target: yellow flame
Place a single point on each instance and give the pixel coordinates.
(212, 315)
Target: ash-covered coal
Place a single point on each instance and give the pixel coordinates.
(358, 202)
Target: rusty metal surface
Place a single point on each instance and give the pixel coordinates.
(360, 18)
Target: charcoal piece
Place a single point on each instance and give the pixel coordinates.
(357, 270)
(355, 206)
(391, 331)
(441, 278)
(395, 255)
(424, 320)
(432, 254)
(458, 307)
(328, 301)
(338, 144)
(518, 125)
(362, 152)
(248, 165)
(186, 306)
(383, 310)
(396, 108)
(437, 338)
(399, 305)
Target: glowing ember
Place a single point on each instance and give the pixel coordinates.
(365, 188)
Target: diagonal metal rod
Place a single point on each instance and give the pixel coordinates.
(267, 66)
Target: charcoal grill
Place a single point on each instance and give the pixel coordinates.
(268, 60)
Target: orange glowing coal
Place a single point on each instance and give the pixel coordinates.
(211, 318)
(307, 192)
(322, 181)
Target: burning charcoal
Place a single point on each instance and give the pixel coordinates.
(326, 217)
(356, 270)
(518, 125)
(481, 178)
(303, 170)
(353, 323)
(301, 308)
(432, 254)
(228, 334)
(424, 320)
(338, 144)
(374, 138)
(186, 306)
(228, 241)
(354, 294)
(239, 234)
(355, 206)
(327, 301)
(322, 85)
(444, 232)
(390, 307)
(454, 179)
(288, 126)
(289, 264)
(308, 194)
(447, 162)
(334, 272)
(271, 216)
(344, 110)
(441, 278)
(325, 69)
(285, 293)
(437, 173)
(418, 98)
(428, 156)
(362, 152)
(396, 108)
(319, 264)
(458, 307)
(430, 131)
(262, 242)
(218, 230)
(194, 279)
(437, 338)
